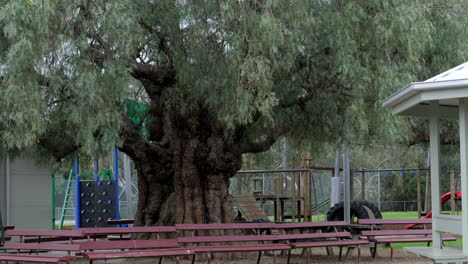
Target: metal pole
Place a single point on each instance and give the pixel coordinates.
(285, 164)
(116, 179)
(363, 185)
(418, 179)
(8, 191)
(379, 175)
(335, 185)
(53, 201)
(128, 185)
(96, 168)
(77, 192)
(347, 185)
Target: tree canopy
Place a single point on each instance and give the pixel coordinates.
(222, 78)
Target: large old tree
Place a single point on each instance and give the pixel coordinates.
(222, 78)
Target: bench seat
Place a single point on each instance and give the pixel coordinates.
(333, 243)
(409, 239)
(172, 252)
(388, 237)
(127, 244)
(240, 248)
(36, 258)
(43, 246)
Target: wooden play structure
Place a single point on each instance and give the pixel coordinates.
(247, 207)
(293, 193)
(444, 96)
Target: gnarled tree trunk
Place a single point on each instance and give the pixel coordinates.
(185, 166)
(201, 190)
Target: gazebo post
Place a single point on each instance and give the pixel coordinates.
(463, 108)
(434, 129)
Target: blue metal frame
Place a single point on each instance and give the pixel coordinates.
(116, 179)
(77, 192)
(96, 168)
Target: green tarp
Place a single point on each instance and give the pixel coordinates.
(139, 114)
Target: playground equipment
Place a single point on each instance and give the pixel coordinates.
(443, 199)
(294, 193)
(91, 202)
(247, 207)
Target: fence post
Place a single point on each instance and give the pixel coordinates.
(418, 178)
(363, 185)
(293, 197)
(351, 184)
(379, 175)
(452, 192)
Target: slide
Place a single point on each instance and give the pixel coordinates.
(443, 199)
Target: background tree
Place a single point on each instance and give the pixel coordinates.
(222, 78)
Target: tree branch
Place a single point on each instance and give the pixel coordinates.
(162, 40)
(57, 150)
(155, 78)
(134, 145)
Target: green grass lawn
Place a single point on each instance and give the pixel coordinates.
(399, 215)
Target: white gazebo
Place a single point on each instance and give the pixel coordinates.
(444, 96)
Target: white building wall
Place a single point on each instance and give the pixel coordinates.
(30, 193)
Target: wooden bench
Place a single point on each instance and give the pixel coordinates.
(106, 231)
(159, 248)
(35, 247)
(256, 228)
(59, 234)
(175, 252)
(389, 236)
(310, 225)
(210, 249)
(330, 239)
(36, 258)
(137, 246)
(337, 237)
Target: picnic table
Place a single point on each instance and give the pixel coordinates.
(67, 235)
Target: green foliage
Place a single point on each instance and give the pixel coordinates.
(302, 66)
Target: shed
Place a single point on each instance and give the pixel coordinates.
(25, 192)
(444, 96)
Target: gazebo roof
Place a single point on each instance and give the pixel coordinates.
(444, 88)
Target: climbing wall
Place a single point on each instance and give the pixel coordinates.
(97, 203)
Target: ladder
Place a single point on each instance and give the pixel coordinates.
(68, 208)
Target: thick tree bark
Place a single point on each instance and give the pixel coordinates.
(202, 193)
(187, 179)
